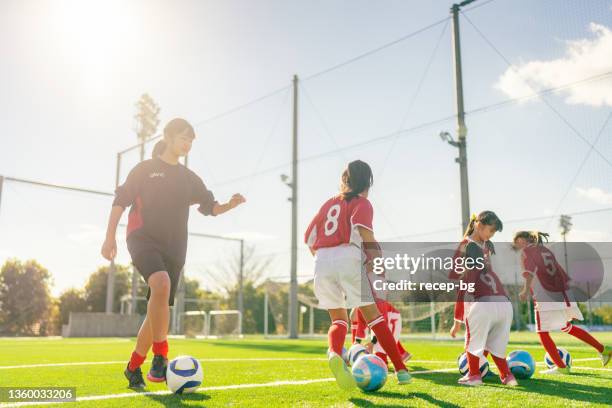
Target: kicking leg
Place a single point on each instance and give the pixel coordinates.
(158, 311)
(335, 337)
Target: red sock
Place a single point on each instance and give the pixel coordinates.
(336, 335)
(502, 366)
(387, 341)
(136, 361)
(586, 337)
(551, 348)
(160, 348)
(473, 364)
(383, 357)
(400, 348)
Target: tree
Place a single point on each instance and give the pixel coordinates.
(24, 296)
(71, 300)
(95, 288)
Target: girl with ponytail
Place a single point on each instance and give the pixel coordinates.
(489, 317)
(335, 237)
(159, 193)
(548, 284)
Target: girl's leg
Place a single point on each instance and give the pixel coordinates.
(158, 311)
(551, 348)
(583, 335)
(338, 329)
(143, 344)
(385, 338)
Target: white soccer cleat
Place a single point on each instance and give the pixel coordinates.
(606, 355)
(344, 377)
(471, 380)
(556, 371)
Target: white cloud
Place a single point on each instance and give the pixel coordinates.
(583, 58)
(595, 194)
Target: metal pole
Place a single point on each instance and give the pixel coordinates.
(461, 128)
(293, 303)
(241, 282)
(311, 321)
(266, 313)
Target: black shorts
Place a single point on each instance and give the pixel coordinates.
(148, 259)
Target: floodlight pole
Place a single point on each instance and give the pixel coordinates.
(293, 302)
(461, 128)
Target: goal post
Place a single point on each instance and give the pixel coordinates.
(224, 323)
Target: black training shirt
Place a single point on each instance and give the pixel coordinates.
(160, 195)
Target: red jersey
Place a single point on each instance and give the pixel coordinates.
(549, 277)
(486, 282)
(337, 221)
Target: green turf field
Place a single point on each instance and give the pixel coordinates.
(258, 372)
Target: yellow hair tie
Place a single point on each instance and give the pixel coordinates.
(474, 217)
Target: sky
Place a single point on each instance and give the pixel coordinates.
(72, 71)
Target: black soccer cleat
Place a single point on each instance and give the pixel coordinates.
(135, 378)
(157, 373)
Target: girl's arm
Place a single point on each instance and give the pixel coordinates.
(234, 202)
(109, 248)
(373, 249)
(524, 295)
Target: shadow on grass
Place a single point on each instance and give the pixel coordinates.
(293, 348)
(409, 398)
(571, 391)
(173, 400)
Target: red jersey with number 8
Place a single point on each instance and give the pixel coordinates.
(337, 221)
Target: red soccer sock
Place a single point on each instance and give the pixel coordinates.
(502, 366)
(160, 348)
(586, 337)
(473, 364)
(400, 348)
(336, 335)
(136, 361)
(387, 341)
(383, 357)
(551, 348)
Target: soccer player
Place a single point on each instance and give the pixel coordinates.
(159, 192)
(489, 317)
(547, 281)
(394, 321)
(334, 237)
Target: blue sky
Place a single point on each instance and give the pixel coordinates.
(72, 71)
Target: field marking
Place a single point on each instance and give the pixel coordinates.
(204, 389)
(592, 368)
(205, 360)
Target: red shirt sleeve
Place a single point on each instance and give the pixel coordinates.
(362, 214)
(527, 264)
(310, 236)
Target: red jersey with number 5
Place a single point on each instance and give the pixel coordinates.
(337, 221)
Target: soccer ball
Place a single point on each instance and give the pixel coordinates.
(184, 375)
(345, 355)
(464, 369)
(563, 353)
(356, 351)
(370, 372)
(521, 364)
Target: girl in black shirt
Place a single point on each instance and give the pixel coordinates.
(160, 192)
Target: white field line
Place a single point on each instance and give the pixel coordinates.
(203, 389)
(205, 360)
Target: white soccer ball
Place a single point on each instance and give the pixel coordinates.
(356, 351)
(566, 357)
(464, 369)
(184, 375)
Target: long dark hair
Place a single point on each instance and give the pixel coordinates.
(533, 237)
(173, 128)
(485, 218)
(356, 178)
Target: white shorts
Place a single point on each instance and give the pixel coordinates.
(550, 320)
(395, 325)
(338, 278)
(487, 327)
